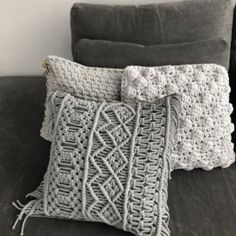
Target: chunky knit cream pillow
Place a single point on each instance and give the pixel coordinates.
(91, 83)
(204, 137)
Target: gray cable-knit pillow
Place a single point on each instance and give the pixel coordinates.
(91, 83)
(109, 163)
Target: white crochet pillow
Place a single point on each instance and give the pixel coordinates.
(85, 82)
(204, 137)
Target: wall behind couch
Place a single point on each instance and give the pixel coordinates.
(32, 29)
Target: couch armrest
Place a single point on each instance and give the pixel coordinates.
(23, 153)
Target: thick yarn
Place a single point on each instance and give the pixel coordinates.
(91, 83)
(204, 137)
(109, 163)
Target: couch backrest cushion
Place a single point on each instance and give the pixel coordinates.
(104, 53)
(162, 23)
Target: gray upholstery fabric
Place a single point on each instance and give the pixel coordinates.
(201, 203)
(102, 53)
(232, 70)
(163, 23)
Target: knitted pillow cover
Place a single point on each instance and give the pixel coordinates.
(204, 137)
(91, 83)
(109, 163)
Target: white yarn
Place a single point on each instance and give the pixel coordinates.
(204, 137)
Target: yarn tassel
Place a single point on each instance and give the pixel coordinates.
(19, 206)
(37, 193)
(27, 211)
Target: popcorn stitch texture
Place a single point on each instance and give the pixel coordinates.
(110, 163)
(204, 137)
(91, 83)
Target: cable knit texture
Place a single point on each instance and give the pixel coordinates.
(109, 163)
(81, 81)
(204, 137)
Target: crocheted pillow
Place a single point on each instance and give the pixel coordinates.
(204, 137)
(85, 82)
(109, 163)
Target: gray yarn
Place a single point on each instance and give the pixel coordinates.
(109, 163)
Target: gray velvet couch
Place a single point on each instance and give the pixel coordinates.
(201, 203)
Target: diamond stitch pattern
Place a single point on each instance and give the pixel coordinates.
(118, 181)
